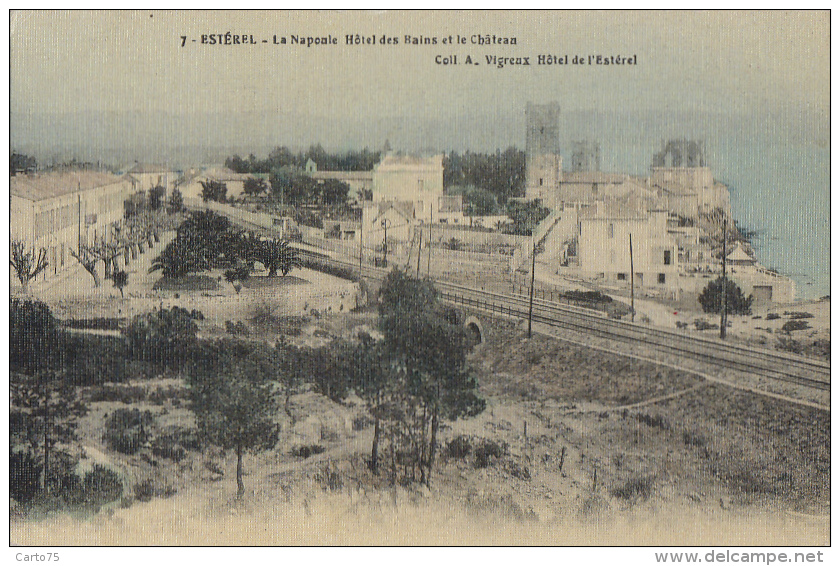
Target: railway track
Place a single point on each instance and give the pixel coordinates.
(765, 363)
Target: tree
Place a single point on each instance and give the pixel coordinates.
(276, 255)
(164, 336)
(427, 356)
(237, 276)
(234, 399)
(334, 192)
(120, 280)
(176, 202)
(525, 216)
(253, 187)
(736, 303)
(20, 163)
(26, 263)
(156, 195)
(213, 190)
(203, 241)
(43, 413)
(88, 256)
(34, 337)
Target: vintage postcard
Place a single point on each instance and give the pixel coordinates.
(408, 278)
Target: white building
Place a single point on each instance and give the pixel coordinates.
(58, 211)
(147, 176)
(410, 179)
(605, 231)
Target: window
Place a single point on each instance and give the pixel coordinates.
(541, 181)
(662, 278)
(611, 231)
(667, 257)
(621, 276)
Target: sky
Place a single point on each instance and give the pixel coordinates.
(106, 79)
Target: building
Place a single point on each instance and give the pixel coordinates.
(410, 179)
(680, 174)
(60, 211)
(605, 232)
(392, 219)
(147, 176)
(360, 182)
(543, 162)
(191, 187)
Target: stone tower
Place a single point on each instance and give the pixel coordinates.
(543, 162)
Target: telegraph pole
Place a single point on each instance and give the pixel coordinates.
(361, 248)
(723, 287)
(531, 299)
(632, 284)
(429, 245)
(385, 244)
(419, 251)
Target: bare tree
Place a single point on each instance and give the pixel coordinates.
(88, 257)
(26, 263)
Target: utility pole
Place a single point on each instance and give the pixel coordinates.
(632, 284)
(723, 286)
(419, 251)
(361, 248)
(429, 246)
(531, 299)
(385, 244)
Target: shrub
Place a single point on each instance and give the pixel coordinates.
(236, 328)
(653, 421)
(488, 451)
(24, 476)
(126, 430)
(772, 316)
(793, 325)
(161, 336)
(789, 345)
(307, 451)
(101, 485)
(167, 446)
(459, 447)
(117, 393)
(701, 324)
(634, 488)
(794, 315)
(34, 338)
(147, 489)
(736, 303)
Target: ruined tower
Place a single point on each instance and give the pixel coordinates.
(543, 162)
(586, 156)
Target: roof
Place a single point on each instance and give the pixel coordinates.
(223, 174)
(343, 175)
(140, 168)
(394, 161)
(674, 188)
(404, 208)
(618, 209)
(50, 185)
(594, 177)
(738, 254)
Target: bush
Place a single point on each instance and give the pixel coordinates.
(488, 451)
(307, 451)
(701, 324)
(653, 421)
(793, 325)
(167, 446)
(186, 283)
(772, 316)
(162, 336)
(459, 447)
(126, 430)
(634, 488)
(117, 394)
(148, 489)
(736, 303)
(101, 485)
(34, 338)
(24, 476)
(98, 323)
(794, 315)
(236, 328)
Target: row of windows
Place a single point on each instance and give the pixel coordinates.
(623, 277)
